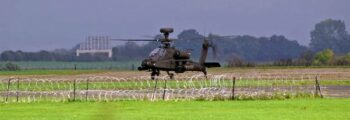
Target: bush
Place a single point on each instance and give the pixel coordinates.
(237, 62)
(10, 67)
(323, 58)
(305, 59)
(342, 60)
(283, 62)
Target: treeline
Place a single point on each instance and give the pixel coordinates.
(245, 50)
(129, 51)
(57, 55)
(325, 57)
(36, 56)
(330, 45)
(245, 47)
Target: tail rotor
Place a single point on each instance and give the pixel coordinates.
(212, 45)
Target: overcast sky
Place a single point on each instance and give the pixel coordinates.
(33, 25)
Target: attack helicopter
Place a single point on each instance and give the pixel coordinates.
(169, 59)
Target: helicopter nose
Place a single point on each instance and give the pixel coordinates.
(147, 63)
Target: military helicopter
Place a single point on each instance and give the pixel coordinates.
(169, 59)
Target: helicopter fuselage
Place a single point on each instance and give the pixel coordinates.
(170, 59)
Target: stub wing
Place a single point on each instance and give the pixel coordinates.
(212, 64)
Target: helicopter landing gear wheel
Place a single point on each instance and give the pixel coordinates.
(205, 74)
(154, 73)
(171, 75)
(152, 76)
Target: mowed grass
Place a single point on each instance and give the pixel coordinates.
(293, 109)
(49, 72)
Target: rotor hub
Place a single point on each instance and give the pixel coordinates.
(166, 30)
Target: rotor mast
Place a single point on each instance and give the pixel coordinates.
(166, 31)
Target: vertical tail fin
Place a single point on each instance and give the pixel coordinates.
(204, 52)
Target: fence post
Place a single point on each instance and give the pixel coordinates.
(74, 87)
(233, 88)
(75, 66)
(164, 91)
(132, 67)
(318, 88)
(8, 89)
(17, 90)
(87, 89)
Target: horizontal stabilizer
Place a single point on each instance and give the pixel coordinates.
(212, 64)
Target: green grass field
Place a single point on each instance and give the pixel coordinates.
(49, 72)
(308, 108)
(293, 109)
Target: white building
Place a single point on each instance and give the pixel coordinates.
(95, 44)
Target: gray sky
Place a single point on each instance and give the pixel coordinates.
(33, 25)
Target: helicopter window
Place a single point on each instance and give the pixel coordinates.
(157, 51)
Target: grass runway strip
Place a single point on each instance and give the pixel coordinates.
(307, 109)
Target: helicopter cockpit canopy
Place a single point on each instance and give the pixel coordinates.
(157, 52)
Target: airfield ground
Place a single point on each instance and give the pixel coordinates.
(290, 109)
(339, 73)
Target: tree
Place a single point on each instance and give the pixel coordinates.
(330, 34)
(190, 35)
(8, 56)
(342, 60)
(324, 57)
(347, 57)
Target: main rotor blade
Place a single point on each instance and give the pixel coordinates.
(214, 48)
(230, 36)
(134, 39)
